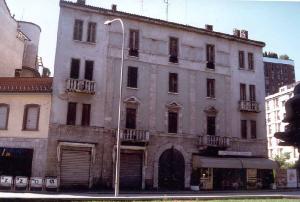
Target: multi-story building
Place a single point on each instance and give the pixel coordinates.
(192, 104)
(278, 73)
(275, 113)
(24, 102)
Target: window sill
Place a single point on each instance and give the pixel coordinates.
(85, 42)
(3, 129)
(211, 98)
(172, 133)
(31, 130)
(210, 69)
(173, 63)
(173, 93)
(244, 69)
(133, 56)
(132, 88)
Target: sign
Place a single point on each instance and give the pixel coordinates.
(36, 182)
(291, 178)
(6, 181)
(51, 182)
(234, 153)
(251, 178)
(21, 181)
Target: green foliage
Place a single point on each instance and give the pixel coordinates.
(284, 57)
(282, 161)
(270, 54)
(46, 72)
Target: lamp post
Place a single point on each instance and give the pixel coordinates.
(117, 168)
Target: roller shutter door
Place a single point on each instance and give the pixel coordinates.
(75, 168)
(131, 171)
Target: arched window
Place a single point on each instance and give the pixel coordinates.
(4, 113)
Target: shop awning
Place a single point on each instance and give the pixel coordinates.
(217, 162)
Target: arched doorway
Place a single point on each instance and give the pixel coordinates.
(171, 170)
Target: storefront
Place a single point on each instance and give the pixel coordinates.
(219, 173)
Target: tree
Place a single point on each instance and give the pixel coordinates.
(284, 57)
(282, 160)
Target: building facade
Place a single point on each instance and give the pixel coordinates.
(192, 104)
(278, 73)
(275, 113)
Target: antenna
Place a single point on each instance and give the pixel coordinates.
(167, 8)
(142, 5)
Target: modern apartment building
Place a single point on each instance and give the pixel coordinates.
(192, 104)
(278, 73)
(275, 113)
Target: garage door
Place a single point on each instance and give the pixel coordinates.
(75, 168)
(131, 171)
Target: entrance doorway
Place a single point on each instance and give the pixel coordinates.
(171, 170)
(229, 179)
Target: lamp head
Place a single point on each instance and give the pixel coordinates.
(107, 22)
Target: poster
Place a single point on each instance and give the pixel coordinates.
(291, 178)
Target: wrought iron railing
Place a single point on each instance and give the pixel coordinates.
(81, 86)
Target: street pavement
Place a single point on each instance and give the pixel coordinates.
(288, 194)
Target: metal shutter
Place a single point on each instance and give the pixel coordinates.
(75, 168)
(131, 170)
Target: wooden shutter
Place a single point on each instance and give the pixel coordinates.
(244, 129)
(253, 129)
(250, 61)
(71, 115)
(131, 118)
(132, 77)
(173, 122)
(91, 35)
(241, 59)
(75, 65)
(173, 47)
(252, 93)
(86, 114)
(77, 32)
(4, 108)
(210, 88)
(210, 53)
(211, 125)
(173, 82)
(89, 68)
(243, 92)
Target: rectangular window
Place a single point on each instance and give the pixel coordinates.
(173, 49)
(250, 61)
(253, 129)
(31, 117)
(211, 125)
(210, 56)
(131, 118)
(86, 115)
(91, 34)
(172, 122)
(89, 68)
(4, 112)
(71, 115)
(210, 85)
(75, 65)
(244, 129)
(134, 43)
(252, 92)
(243, 95)
(77, 32)
(173, 82)
(132, 77)
(241, 60)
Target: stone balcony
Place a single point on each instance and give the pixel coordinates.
(134, 136)
(81, 86)
(249, 106)
(214, 141)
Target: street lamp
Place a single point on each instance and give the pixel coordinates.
(117, 169)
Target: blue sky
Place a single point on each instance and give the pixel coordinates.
(277, 23)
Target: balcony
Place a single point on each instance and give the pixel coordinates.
(214, 141)
(134, 136)
(249, 106)
(81, 86)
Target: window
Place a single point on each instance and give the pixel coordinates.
(131, 118)
(86, 114)
(134, 42)
(244, 129)
(4, 112)
(243, 91)
(77, 33)
(71, 115)
(172, 122)
(75, 65)
(132, 77)
(173, 49)
(252, 93)
(89, 68)
(91, 34)
(210, 56)
(241, 60)
(253, 129)
(173, 82)
(31, 117)
(210, 85)
(250, 61)
(211, 125)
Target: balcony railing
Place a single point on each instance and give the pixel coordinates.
(133, 135)
(249, 106)
(214, 141)
(81, 86)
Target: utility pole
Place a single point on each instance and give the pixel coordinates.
(167, 9)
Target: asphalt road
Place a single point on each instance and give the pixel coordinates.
(289, 194)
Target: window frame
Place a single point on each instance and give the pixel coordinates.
(173, 82)
(76, 75)
(244, 131)
(86, 122)
(252, 93)
(210, 88)
(25, 117)
(242, 59)
(250, 61)
(92, 70)
(173, 129)
(243, 97)
(68, 120)
(78, 30)
(134, 42)
(7, 115)
(129, 111)
(132, 78)
(173, 49)
(91, 32)
(253, 129)
(209, 127)
(210, 56)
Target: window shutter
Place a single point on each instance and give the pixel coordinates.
(75, 64)
(3, 116)
(71, 115)
(32, 115)
(136, 40)
(130, 118)
(131, 33)
(86, 114)
(89, 67)
(132, 77)
(173, 122)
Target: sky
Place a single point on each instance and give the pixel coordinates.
(277, 23)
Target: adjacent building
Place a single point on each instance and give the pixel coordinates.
(192, 104)
(278, 73)
(275, 113)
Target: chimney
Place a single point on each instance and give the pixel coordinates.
(209, 27)
(114, 7)
(81, 2)
(244, 34)
(236, 32)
